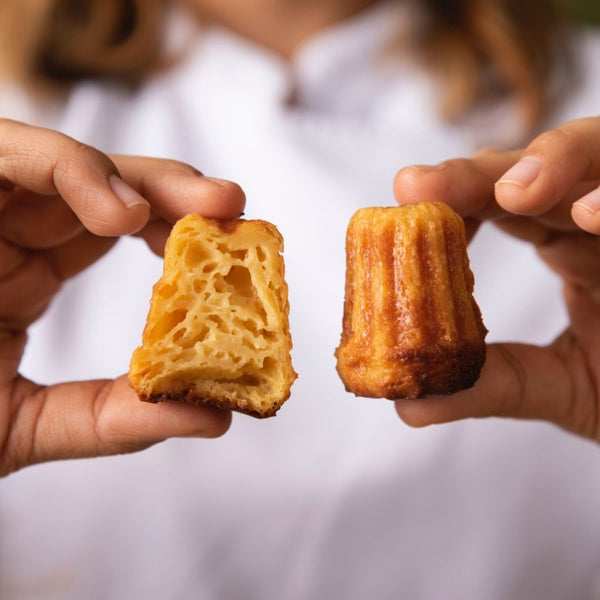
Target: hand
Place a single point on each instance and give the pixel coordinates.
(62, 206)
(547, 195)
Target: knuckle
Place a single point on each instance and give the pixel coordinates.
(83, 154)
(178, 166)
(487, 153)
(565, 140)
(231, 188)
(455, 164)
(514, 401)
(78, 162)
(24, 162)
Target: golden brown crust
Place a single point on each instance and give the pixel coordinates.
(411, 326)
(217, 330)
(240, 405)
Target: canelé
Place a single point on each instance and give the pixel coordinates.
(411, 326)
(217, 331)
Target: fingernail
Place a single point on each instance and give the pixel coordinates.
(524, 173)
(125, 193)
(218, 181)
(590, 201)
(427, 168)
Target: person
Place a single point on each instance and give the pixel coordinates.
(334, 497)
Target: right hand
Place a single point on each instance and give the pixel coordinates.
(63, 205)
(548, 195)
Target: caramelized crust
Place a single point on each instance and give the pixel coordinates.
(411, 326)
(217, 330)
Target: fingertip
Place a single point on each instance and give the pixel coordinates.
(137, 208)
(110, 208)
(135, 219)
(524, 172)
(440, 409)
(412, 413)
(410, 186)
(180, 192)
(527, 202)
(218, 422)
(456, 182)
(115, 223)
(519, 190)
(228, 199)
(406, 176)
(585, 214)
(172, 419)
(512, 197)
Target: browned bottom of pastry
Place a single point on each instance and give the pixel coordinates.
(217, 331)
(414, 374)
(411, 326)
(236, 404)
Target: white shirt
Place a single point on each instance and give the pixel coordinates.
(335, 497)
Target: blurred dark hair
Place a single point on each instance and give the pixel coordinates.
(67, 40)
(483, 48)
(476, 48)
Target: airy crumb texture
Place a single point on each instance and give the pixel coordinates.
(411, 326)
(217, 331)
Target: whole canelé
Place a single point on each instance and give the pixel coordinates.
(411, 326)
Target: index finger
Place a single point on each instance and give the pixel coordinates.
(466, 184)
(517, 381)
(175, 189)
(95, 418)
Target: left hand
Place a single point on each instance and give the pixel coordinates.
(62, 206)
(547, 195)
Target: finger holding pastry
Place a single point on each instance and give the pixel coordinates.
(64, 205)
(553, 181)
(546, 195)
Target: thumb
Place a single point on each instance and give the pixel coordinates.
(49, 163)
(95, 418)
(517, 380)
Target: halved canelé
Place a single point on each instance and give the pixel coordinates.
(217, 331)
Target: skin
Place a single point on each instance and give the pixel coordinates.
(61, 209)
(557, 211)
(58, 215)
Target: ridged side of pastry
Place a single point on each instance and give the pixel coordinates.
(217, 331)
(411, 326)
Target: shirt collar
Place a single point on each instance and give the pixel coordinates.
(334, 70)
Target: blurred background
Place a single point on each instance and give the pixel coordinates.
(585, 10)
